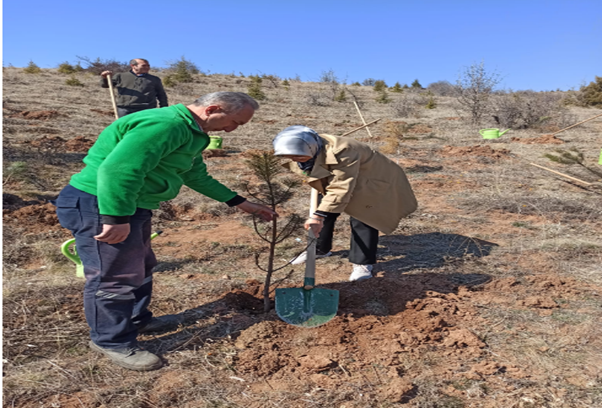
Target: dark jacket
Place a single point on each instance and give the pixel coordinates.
(137, 92)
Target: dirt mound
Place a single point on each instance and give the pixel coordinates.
(214, 153)
(543, 139)
(58, 144)
(78, 144)
(478, 150)
(419, 129)
(103, 112)
(54, 143)
(376, 324)
(38, 115)
(39, 214)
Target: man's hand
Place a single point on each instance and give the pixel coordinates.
(105, 73)
(113, 234)
(262, 211)
(316, 224)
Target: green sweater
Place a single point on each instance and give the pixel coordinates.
(145, 158)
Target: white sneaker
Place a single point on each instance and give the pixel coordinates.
(361, 272)
(303, 257)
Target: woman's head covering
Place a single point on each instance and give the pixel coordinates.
(298, 141)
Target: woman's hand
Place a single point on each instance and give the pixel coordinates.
(314, 223)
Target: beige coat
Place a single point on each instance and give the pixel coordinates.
(360, 182)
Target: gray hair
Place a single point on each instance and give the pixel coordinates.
(230, 101)
(134, 61)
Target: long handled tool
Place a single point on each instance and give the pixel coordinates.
(308, 306)
(112, 92)
(572, 126)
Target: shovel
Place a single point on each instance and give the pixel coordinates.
(308, 306)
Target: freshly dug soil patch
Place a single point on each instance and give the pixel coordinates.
(543, 139)
(78, 144)
(38, 115)
(478, 150)
(38, 214)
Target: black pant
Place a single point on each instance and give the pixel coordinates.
(121, 111)
(119, 279)
(364, 240)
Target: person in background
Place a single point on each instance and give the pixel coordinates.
(136, 89)
(354, 179)
(136, 163)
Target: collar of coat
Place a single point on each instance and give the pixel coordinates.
(325, 158)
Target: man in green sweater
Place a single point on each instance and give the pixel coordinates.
(136, 163)
(136, 89)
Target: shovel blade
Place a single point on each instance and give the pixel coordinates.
(307, 308)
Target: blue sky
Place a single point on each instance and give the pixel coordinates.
(538, 45)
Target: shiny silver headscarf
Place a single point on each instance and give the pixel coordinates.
(298, 141)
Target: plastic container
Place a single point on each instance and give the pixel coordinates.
(215, 142)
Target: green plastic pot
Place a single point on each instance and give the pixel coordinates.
(600, 159)
(491, 133)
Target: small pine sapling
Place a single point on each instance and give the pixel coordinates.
(272, 190)
(396, 88)
(32, 68)
(341, 97)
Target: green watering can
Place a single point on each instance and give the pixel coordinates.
(491, 133)
(308, 306)
(70, 251)
(215, 142)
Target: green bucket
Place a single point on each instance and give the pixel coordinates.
(600, 159)
(215, 142)
(69, 249)
(491, 133)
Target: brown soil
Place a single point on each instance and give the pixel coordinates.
(478, 150)
(58, 144)
(103, 112)
(38, 115)
(543, 139)
(419, 129)
(34, 217)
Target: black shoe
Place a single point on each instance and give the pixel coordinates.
(161, 323)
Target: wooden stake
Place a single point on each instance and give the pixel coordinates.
(561, 174)
(112, 96)
(363, 121)
(562, 130)
(360, 128)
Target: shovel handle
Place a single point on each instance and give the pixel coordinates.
(310, 264)
(110, 81)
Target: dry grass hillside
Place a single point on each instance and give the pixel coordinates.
(489, 295)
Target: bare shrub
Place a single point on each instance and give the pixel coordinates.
(369, 82)
(318, 98)
(442, 88)
(97, 66)
(405, 106)
(474, 89)
(525, 109)
(330, 79)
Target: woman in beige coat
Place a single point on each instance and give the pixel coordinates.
(352, 178)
